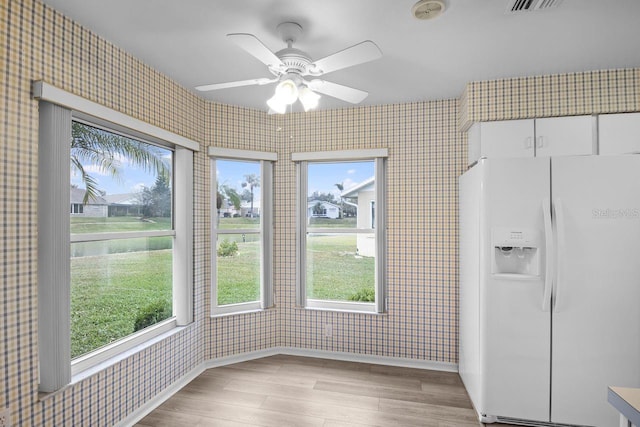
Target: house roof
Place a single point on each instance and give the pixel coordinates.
(312, 202)
(77, 197)
(122, 199)
(363, 186)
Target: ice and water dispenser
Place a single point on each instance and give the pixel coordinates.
(515, 252)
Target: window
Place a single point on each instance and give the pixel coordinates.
(121, 265)
(341, 241)
(77, 208)
(115, 269)
(241, 213)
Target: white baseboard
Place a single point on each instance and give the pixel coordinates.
(366, 358)
(161, 397)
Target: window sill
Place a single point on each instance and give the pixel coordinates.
(235, 313)
(98, 367)
(347, 308)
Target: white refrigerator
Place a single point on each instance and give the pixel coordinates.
(550, 287)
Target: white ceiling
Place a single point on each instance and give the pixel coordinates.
(422, 60)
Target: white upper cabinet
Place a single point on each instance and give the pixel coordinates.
(557, 136)
(565, 136)
(619, 133)
(510, 138)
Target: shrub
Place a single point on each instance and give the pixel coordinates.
(228, 248)
(152, 314)
(364, 295)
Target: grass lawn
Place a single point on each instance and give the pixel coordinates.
(112, 282)
(108, 292)
(334, 272)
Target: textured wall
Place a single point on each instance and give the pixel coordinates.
(37, 43)
(426, 155)
(589, 92)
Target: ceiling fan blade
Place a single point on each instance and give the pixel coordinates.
(354, 55)
(216, 86)
(255, 47)
(345, 93)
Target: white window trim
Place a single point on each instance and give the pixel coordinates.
(57, 110)
(266, 160)
(302, 160)
(99, 114)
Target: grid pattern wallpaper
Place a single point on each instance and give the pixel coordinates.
(589, 92)
(38, 43)
(427, 154)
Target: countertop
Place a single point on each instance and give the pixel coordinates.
(626, 401)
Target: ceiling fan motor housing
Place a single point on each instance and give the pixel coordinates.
(294, 60)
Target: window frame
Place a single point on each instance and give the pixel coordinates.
(58, 109)
(302, 160)
(266, 160)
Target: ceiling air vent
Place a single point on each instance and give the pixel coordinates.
(514, 6)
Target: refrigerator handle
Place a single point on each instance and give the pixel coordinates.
(548, 263)
(561, 249)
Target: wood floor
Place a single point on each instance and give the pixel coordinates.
(300, 391)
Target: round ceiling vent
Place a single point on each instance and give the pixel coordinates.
(428, 9)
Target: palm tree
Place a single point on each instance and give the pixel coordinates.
(340, 186)
(92, 146)
(252, 181)
(228, 193)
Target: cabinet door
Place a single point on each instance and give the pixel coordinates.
(619, 133)
(564, 136)
(511, 138)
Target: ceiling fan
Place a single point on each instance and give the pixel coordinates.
(290, 66)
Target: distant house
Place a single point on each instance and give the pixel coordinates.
(97, 207)
(245, 209)
(364, 195)
(227, 210)
(322, 209)
(127, 204)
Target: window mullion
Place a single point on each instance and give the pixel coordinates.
(380, 235)
(266, 225)
(183, 240)
(301, 240)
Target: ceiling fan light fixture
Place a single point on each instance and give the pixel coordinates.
(287, 92)
(277, 105)
(308, 98)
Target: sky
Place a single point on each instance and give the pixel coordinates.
(132, 178)
(322, 176)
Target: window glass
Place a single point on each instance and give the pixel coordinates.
(238, 231)
(117, 288)
(238, 261)
(335, 271)
(118, 183)
(119, 284)
(340, 253)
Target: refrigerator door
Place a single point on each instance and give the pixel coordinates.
(596, 307)
(514, 326)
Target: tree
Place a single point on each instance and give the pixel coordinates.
(251, 181)
(340, 187)
(156, 201)
(227, 193)
(92, 146)
(318, 209)
(324, 197)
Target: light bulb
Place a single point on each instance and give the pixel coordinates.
(277, 105)
(287, 91)
(308, 98)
